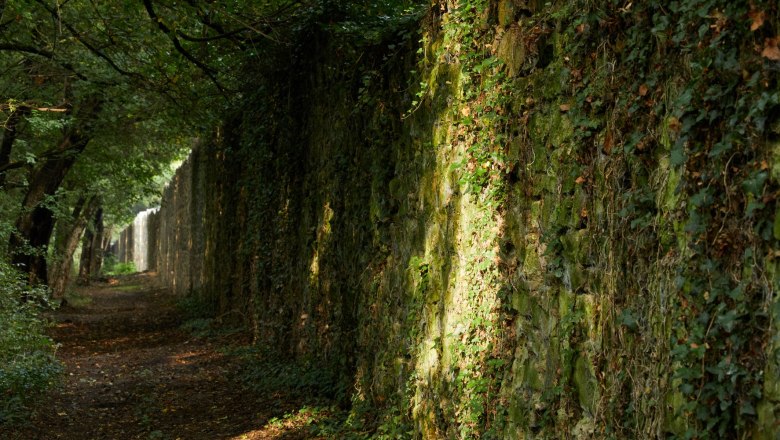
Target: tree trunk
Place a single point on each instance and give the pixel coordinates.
(91, 250)
(9, 136)
(34, 226)
(86, 257)
(59, 264)
(66, 241)
(97, 246)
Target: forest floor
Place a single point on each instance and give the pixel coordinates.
(132, 372)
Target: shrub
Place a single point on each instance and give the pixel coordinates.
(112, 267)
(27, 362)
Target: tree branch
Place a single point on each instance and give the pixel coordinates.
(177, 44)
(26, 107)
(26, 49)
(6, 23)
(11, 166)
(15, 47)
(251, 26)
(77, 35)
(226, 35)
(9, 137)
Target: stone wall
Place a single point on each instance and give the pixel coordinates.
(137, 243)
(182, 235)
(123, 247)
(483, 245)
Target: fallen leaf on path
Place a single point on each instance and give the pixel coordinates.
(756, 19)
(771, 51)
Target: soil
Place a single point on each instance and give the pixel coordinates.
(131, 372)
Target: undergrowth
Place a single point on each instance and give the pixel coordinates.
(76, 299)
(200, 319)
(265, 372)
(27, 363)
(112, 267)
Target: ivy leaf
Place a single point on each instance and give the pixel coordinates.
(728, 320)
(755, 182)
(701, 198)
(721, 147)
(753, 206)
(627, 319)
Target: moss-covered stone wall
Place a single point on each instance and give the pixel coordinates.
(507, 219)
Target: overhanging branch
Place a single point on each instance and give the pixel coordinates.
(10, 134)
(26, 107)
(177, 44)
(16, 47)
(12, 166)
(77, 35)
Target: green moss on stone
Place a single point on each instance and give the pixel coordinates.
(573, 245)
(586, 384)
(512, 51)
(506, 12)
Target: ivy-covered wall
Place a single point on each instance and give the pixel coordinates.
(507, 219)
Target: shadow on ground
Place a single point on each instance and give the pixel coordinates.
(132, 373)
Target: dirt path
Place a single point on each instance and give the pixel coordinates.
(131, 373)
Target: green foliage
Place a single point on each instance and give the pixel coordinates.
(112, 267)
(161, 75)
(198, 314)
(713, 104)
(199, 327)
(27, 363)
(76, 299)
(610, 109)
(366, 23)
(196, 308)
(484, 114)
(265, 372)
(706, 113)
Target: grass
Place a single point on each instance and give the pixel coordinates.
(76, 299)
(128, 288)
(113, 268)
